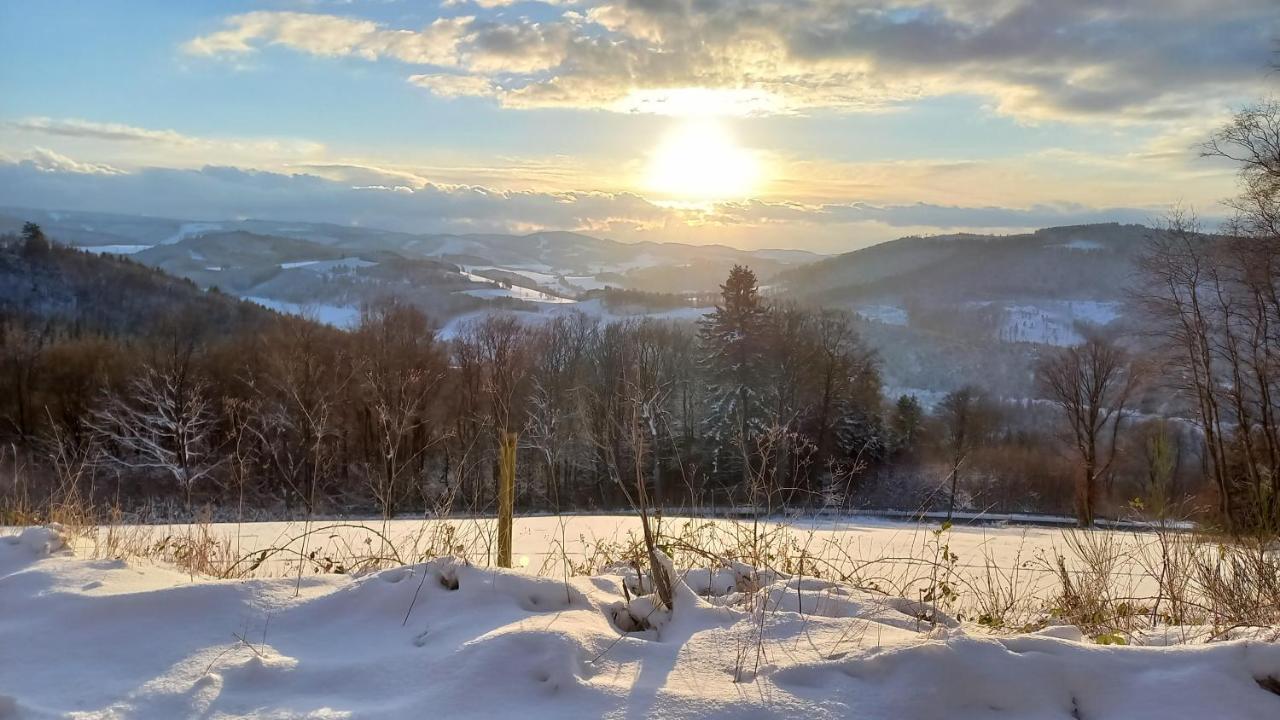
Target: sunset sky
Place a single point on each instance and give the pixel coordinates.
(817, 124)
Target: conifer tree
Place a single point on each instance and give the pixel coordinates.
(733, 342)
(34, 242)
(906, 424)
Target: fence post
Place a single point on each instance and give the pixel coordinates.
(506, 494)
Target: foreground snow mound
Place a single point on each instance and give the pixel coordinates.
(33, 543)
(105, 639)
(1042, 677)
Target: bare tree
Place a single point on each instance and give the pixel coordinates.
(625, 450)
(1091, 383)
(966, 419)
(400, 370)
(554, 426)
(1215, 303)
(1179, 274)
(498, 347)
(302, 387)
(165, 423)
(1252, 141)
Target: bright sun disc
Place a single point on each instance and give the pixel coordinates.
(700, 161)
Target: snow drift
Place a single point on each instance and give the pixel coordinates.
(107, 639)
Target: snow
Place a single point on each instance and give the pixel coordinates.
(500, 290)
(89, 638)
(517, 292)
(326, 266)
(541, 278)
(1053, 322)
(569, 285)
(843, 543)
(340, 316)
(585, 282)
(887, 314)
(191, 229)
(114, 249)
(1082, 244)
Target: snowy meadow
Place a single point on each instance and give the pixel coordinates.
(825, 618)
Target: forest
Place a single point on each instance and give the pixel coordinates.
(188, 401)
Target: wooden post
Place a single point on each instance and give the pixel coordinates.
(506, 494)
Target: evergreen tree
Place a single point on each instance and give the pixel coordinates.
(733, 345)
(906, 424)
(34, 242)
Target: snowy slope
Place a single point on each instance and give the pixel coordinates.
(340, 316)
(108, 639)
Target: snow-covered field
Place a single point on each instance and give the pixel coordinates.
(341, 316)
(114, 249)
(94, 638)
(543, 544)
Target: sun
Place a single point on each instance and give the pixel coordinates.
(699, 161)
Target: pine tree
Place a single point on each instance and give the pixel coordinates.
(906, 424)
(34, 242)
(733, 345)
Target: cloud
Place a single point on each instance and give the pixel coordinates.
(364, 175)
(1118, 60)
(48, 161)
(942, 217)
(332, 35)
(361, 195)
(449, 86)
(99, 131)
(171, 144)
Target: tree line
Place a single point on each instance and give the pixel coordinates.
(762, 404)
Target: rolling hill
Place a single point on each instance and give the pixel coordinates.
(949, 310)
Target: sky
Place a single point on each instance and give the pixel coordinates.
(825, 125)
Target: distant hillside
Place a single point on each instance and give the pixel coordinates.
(110, 295)
(958, 309)
(329, 272)
(942, 311)
(1076, 262)
(559, 261)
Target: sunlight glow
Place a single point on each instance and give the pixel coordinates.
(701, 102)
(699, 161)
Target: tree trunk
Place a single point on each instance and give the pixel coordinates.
(1087, 495)
(506, 494)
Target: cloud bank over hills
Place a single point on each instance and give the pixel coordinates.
(377, 199)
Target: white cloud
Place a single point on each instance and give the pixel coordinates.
(100, 131)
(46, 160)
(450, 86)
(1123, 61)
(143, 144)
(332, 35)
